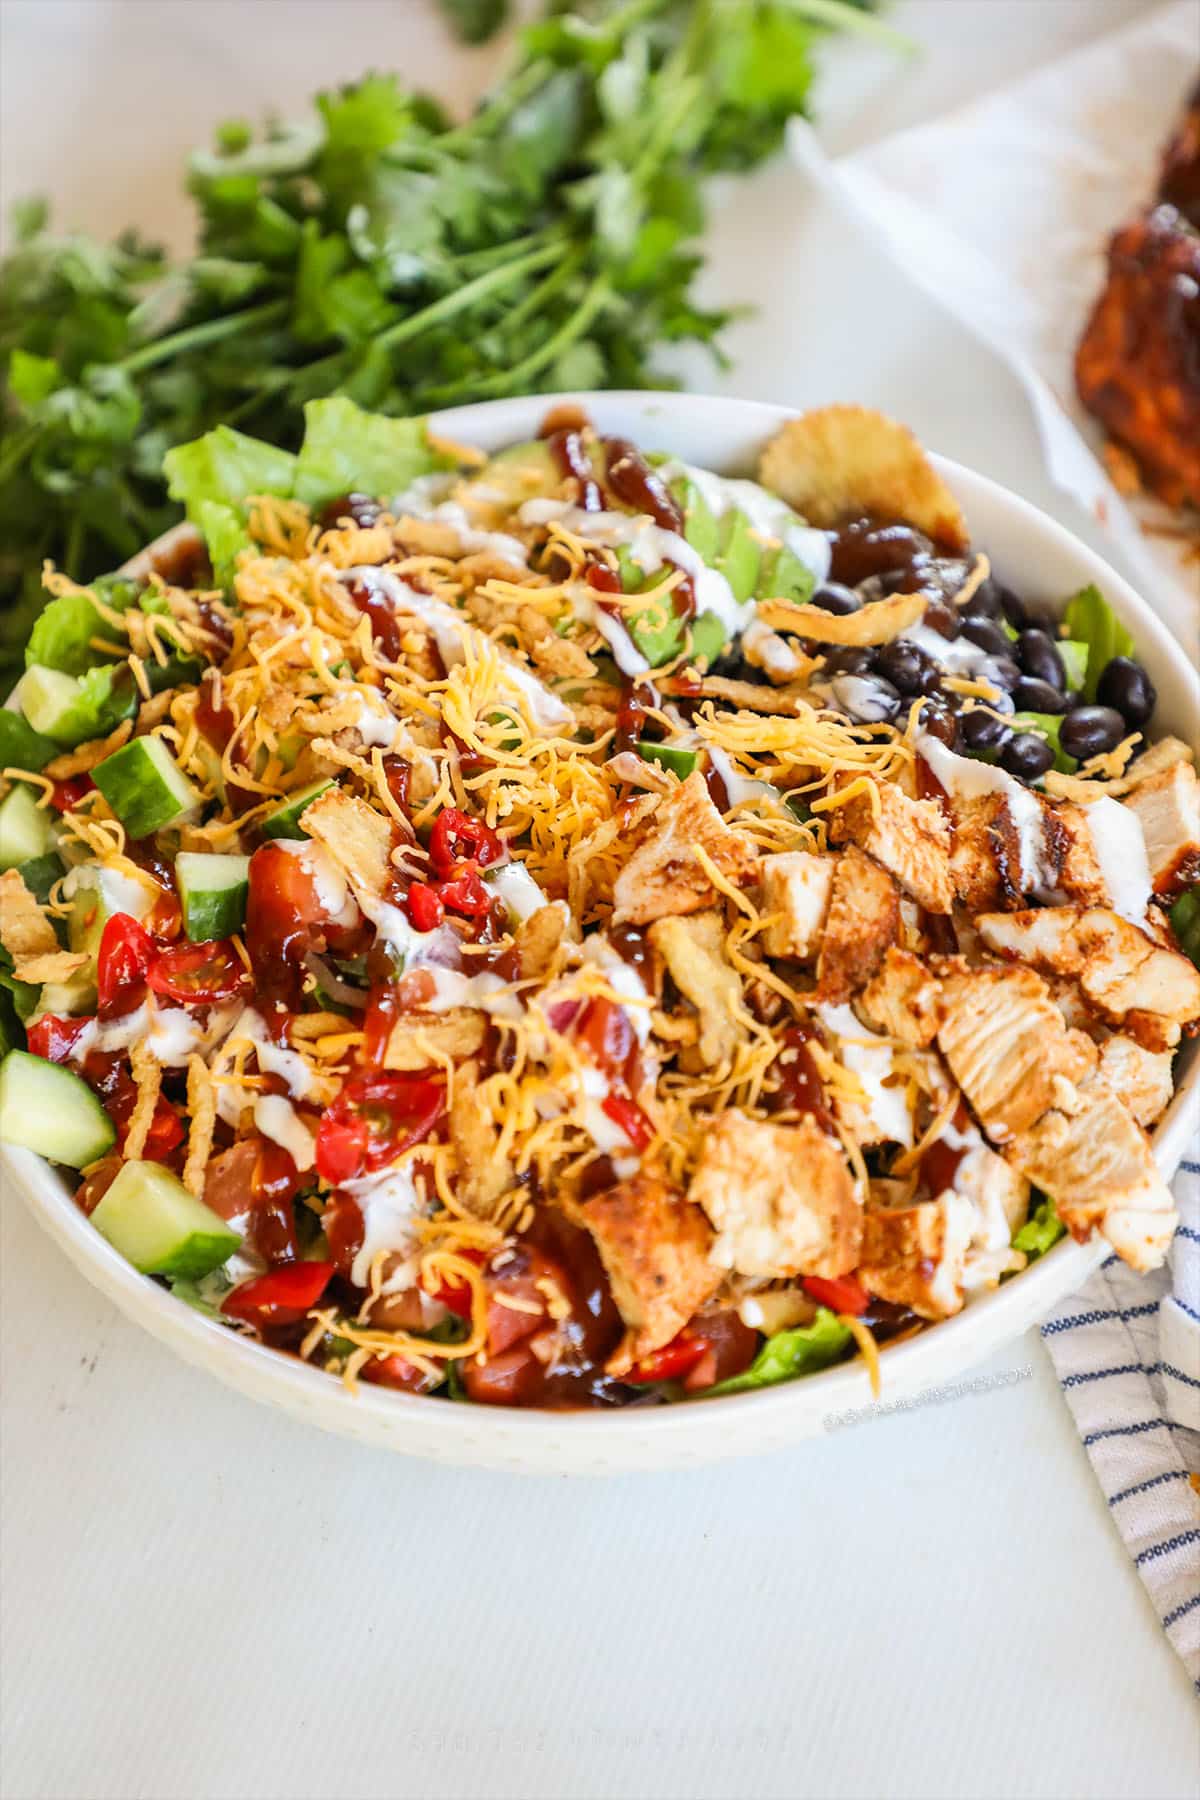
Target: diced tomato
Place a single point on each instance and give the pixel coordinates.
(456, 1295)
(281, 1297)
(53, 1037)
(166, 1127)
(374, 1118)
(603, 579)
(672, 1362)
(456, 837)
(512, 1378)
(840, 1293)
(424, 906)
(606, 1033)
(197, 974)
(463, 891)
(394, 1371)
(125, 954)
(629, 1116)
(69, 793)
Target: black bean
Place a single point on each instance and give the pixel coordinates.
(940, 721)
(867, 698)
(1001, 671)
(1013, 608)
(985, 601)
(853, 659)
(908, 668)
(942, 616)
(1038, 655)
(1090, 731)
(832, 597)
(987, 634)
(1031, 695)
(982, 730)
(1125, 685)
(1026, 756)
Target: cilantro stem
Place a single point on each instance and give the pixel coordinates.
(840, 15)
(465, 297)
(210, 331)
(513, 380)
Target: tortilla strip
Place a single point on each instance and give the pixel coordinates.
(29, 937)
(877, 623)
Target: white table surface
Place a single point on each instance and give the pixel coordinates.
(200, 1598)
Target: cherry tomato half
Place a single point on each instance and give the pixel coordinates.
(840, 1293)
(53, 1037)
(671, 1363)
(373, 1119)
(456, 837)
(196, 974)
(281, 1297)
(122, 960)
(463, 891)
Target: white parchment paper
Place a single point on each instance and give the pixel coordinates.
(1001, 212)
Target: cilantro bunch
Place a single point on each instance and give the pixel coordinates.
(383, 252)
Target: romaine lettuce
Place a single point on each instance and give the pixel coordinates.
(791, 1353)
(347, 450)
(1090, 620)
(226, 466)
(21, 747)
(1040, 1231)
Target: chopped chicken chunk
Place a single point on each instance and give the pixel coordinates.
(1096, 1164)
(1141, 1079)
(655, 1249)
(663, 876)
(796, 886)
(1080, 877)
(1122, 973)
(911, 838)
(1168, 806)
(904, 1000)
(1008, 1046)
(1000, 1196)
(863, 919)
(915, 1255)
(780, 1197)
(694, 952)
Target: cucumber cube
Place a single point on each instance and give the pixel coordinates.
(145, 786)
(212, 892)
(284, 822)
(47, 1108)
(45, 695)
(150, 1217)
(26, 829)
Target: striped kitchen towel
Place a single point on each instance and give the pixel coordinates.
(1127, 1352)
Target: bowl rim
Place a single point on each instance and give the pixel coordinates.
(989, 1320)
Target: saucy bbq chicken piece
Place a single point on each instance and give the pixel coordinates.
(1179, 183)
(780, 1197)
(1137, 367)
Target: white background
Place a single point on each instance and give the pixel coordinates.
(203, 1599)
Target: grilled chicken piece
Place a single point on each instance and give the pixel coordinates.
(1008, 1046)
(1000, 1196)
(909, 837)
(915, 1255)
(1130, 981)
(1141, 1079)
(863, 919)
(1137, 367)
(1096, 1164)
(904, 1000)
(1080, 876)
(694, 952)
(663, 875)
(655, 1250)
(1179, 183)
(780, 1197)
(796, 885)
(1168, 807)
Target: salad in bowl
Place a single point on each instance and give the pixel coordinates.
(562, 928)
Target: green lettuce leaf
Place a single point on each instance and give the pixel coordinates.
(1040, 1231)
(226, 466)
(1091, 620)
(1047, 725)
(1185, 922)
(61, 639)
(347, 450)
(103, 697)
(226, 537)
(791, 1353)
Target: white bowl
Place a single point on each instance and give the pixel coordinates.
(1032, 554)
